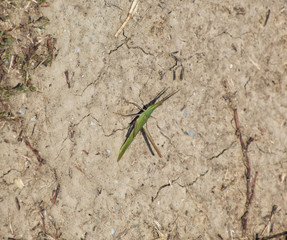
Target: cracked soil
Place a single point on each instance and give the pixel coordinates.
(197, 190)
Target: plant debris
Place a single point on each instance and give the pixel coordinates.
(24, 46)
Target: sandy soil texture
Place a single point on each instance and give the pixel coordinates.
(223, 136)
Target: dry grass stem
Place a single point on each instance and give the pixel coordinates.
(132, 12)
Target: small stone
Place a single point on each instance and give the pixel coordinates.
(117, 207)
(22, 111)
(191, 133)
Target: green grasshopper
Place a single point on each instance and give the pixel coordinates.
(137, 124)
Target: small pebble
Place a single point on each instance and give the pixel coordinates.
(191, 133)
(117, 181)
(117, 207)
(108, 151)
(113, 231)
(185, 112)
(93, 123)
(22, 111)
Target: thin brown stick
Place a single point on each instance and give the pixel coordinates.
(67, 78)
(273, 236)
(274, 208)
(152, 142)
(250, 187)
(50, 45)
(55, 194)
(17, 203)
(42, 214)
(35, 151)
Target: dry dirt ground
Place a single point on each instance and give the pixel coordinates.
(223, 55)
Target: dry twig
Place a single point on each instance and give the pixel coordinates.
(274, 208)
(282, 234)
(55, 194)
(132, 12)
(35, 151)
(250, 188)
(250, 184)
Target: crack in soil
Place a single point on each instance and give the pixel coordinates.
(182, 186)
(138, 47)
(99, 77)
(105, 134)
(6, 173)
(112, 5)
(170, 142)
(219, 154)
(117, 47)
(195, 180)
(164, 186)
(125, 43)
(71, 130)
